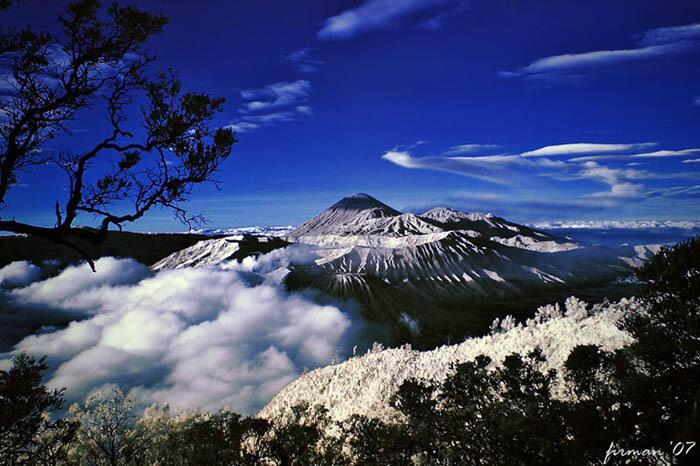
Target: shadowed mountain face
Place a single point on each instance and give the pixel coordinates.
(362, 201)
(448, 272)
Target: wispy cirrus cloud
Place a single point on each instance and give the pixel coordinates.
(493, 168)
(469, 148)
(572, 61)
(276, 95)
(528, 168)
(584, 148)
(691, 161)
(653, 43)
(243, 126)
(666, 153)
(678, 192)
(646, 155)
(289, 115)
(670, 34)
(373, 15)
(283, 102)
(303, 61)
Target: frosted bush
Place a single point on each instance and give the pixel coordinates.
(575, 308)
(495, 326)
(508, 323)
(545, 314)
(502, 326)
(376, 348)
(365, 384)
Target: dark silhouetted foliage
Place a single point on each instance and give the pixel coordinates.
(27, 435)
(99, 62)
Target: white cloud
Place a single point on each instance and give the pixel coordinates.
(696, 101)
(482, 196)
(493, 168)
(273, 96)
(670, 34)
(667, 153)
(691, 161)
(289, 115)
(303, 61)
(528, 169)
(18, 273)
(584, 148)
(276, 95)
(610, 175)
(194, 338)
(601, 57)
(243, 126)
(402, 159)
(654, 43)
(621, 191)
(655, 154)
(469, 148)
(75, 279)
(617, 179)
(373, 15)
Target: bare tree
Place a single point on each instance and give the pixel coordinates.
(98, 61)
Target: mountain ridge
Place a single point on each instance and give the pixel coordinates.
(435, 275)
(361, 214)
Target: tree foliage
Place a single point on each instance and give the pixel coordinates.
(98, 62)
(27, 433)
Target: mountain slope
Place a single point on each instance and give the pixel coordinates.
(437, 275)
(343, 211)
(215, 251)
(451, 269)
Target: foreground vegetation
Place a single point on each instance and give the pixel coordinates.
(637, 405)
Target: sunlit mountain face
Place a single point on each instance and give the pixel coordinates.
(433, 276)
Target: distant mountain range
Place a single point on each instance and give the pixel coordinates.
(610, 224)
(435, 275)
(254, 230)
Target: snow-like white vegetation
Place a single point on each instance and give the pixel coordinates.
(365, 384)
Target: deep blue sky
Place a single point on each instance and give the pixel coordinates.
(402, 99)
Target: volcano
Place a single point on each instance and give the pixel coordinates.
(438, 274)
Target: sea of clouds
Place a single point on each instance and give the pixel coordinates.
(194, 338)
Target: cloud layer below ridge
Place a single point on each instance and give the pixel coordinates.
(193, 338)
